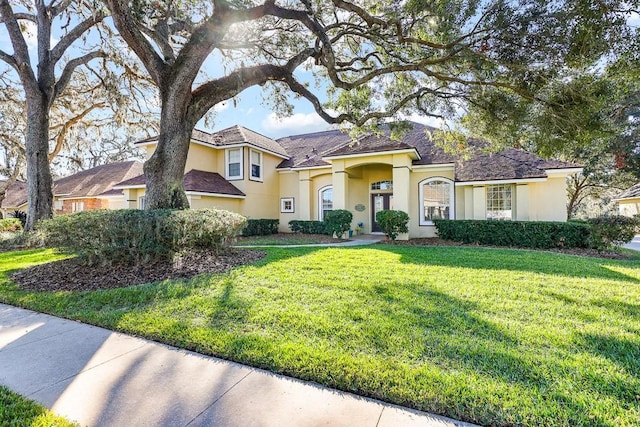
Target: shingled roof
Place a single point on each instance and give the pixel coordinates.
(96, 181)
(15, 196)
(506, 165)
(630, 193)
(233, 136)
(309, 150)
(196, 181)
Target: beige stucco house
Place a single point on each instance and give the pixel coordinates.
(629, 201)
(303, 176)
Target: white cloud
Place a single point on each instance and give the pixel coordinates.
(296, 124)
(425, 120)
(221, 106)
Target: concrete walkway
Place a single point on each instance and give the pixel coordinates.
(634, 244)
(362, 239)
(101, 378)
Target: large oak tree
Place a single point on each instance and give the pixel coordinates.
(378, 58)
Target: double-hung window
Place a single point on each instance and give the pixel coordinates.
(234, 163)
(500, 201)
(256, 165)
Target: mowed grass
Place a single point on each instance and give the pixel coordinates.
(16, 411)
(500, 337)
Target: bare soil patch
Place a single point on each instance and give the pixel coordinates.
(435, 241)
(71, 275)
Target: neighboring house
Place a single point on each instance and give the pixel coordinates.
(85, 190)
(15, 199)
(629, 201)
(304, 176)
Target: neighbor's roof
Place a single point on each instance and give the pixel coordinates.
(96, 181)
(15, 196)
(506, 165)
(233, 136)
(195, 181)
(630, 193)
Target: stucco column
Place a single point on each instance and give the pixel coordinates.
(130, 199)
(479, 203)
(522, 202)
(402, 188)
(340, 185)
(304, 196)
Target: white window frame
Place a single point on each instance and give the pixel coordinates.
(142, 201)
(227, 158)
(320, 210)
(512, 194)
(77, 206)
(452, 198)
(251, 177)
(283, 201)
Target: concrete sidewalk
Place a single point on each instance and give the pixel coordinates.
(101, 378)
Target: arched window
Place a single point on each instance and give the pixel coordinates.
(325, 201)
(436, 200)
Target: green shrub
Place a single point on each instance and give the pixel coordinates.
(393, 222)
(308, 227)
(260, 227)
(134, 236)
(338, 222)
(524, 234)
(612, 230)
(10, 224)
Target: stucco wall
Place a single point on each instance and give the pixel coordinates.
(203, 158)
(629, 207)
(225, 203)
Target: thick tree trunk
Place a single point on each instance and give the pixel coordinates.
(164, 170)
(39, 179)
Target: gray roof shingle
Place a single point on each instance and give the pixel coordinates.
(196, 181)
(15, 196)
(96, 181)
(630, 193)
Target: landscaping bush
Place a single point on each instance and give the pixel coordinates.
(22, 217)
(612, 230)
(338, 222)
(524, 234)
(260, 227)
(393, 222)
(134, 236)
(308, 227)
(10, 224)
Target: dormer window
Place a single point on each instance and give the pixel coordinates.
(234, 163)
(256, 165)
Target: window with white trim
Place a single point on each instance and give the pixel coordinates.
(77, 206)
(234, 163)
(256, 165)
(382, 185)
(287, 205)
(500, 201)
(436, 200)
(142, 202)
(325, 201)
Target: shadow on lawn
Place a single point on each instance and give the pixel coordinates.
(514, 260)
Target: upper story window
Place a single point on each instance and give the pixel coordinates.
(436, 200)
(325, 202)
(500, 201)
(234, 163)
(256, 165)
(382, 185)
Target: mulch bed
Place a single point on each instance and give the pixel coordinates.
(435, 241)
(70, 275)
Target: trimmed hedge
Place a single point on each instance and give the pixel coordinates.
(613, 230)
(308, 227)
(10, 224)
(393, 222)
(133, 236)
(524, 234)
(261, 227)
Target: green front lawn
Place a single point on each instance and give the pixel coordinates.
(504, 337)
(16, 411)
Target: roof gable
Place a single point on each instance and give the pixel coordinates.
(95, 181)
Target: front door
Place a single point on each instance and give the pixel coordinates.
(379, 202)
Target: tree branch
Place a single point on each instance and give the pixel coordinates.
(68, 125)
(71, 66)
(20, 49)
(73, 35)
